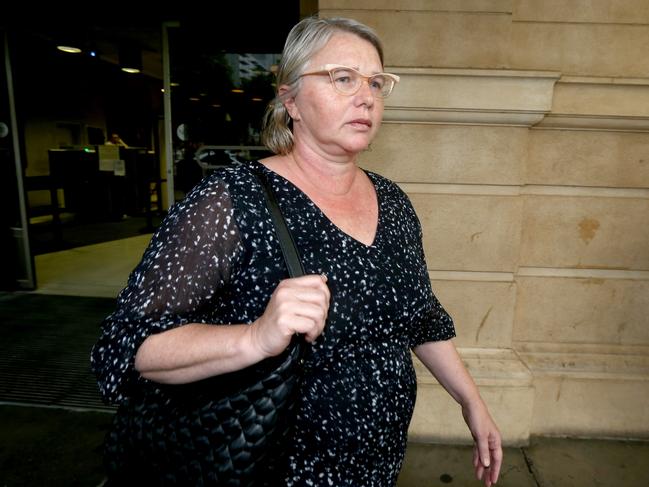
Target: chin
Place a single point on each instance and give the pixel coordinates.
(353, 151)
(357, 146)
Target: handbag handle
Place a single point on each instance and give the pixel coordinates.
(286, 242)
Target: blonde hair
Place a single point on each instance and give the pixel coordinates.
(306, 38)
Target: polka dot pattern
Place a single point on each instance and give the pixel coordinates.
(216, 259)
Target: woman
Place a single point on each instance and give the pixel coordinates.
(213, 263)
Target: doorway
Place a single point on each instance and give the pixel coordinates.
(78, 191)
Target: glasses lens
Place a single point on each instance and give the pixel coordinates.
(348, 81)
(345, 81)
(381, 85)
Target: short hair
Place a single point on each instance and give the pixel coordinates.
(304, 40)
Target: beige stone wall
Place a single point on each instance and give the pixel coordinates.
(520, 131)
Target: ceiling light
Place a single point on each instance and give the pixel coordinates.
(69, 49)
(130, 58)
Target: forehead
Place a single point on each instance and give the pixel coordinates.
(350, 50)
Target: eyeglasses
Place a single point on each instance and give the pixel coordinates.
(347, 81)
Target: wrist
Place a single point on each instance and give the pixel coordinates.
(472, 403)
(252, 343)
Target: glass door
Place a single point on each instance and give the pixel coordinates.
(218, 83)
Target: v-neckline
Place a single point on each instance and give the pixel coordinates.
(324, 216)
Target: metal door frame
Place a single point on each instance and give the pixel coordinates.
(20, 234)
(168, 128)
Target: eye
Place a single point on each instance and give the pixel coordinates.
(343, 77)
(377, 82)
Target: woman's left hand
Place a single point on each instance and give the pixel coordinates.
(487, 450)
(442, 359)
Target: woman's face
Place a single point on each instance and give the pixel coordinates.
(330, 123)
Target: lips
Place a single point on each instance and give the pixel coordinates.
(362, 121)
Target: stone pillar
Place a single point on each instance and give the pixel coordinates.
(520, 131)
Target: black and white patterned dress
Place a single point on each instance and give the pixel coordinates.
(215, 259)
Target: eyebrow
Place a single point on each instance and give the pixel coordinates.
(357, 68)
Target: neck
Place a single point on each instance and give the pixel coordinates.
(330, 176)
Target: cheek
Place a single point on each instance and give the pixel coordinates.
(377, 118)
(325, 113)
(378, 110)
(375, 127)
(312, 107)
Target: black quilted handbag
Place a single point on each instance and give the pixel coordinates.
(228, 430)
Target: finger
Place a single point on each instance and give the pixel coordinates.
(307, 304)
(476, 457)
(486, 478)
(300, 292)
(496, 454)
(497, 460)
(314, 281)
(307, 327)
(312, 295)
(288, 311)
(314, 312)
(318, 294)
(483, 449)
(479, 471)
(311, 280)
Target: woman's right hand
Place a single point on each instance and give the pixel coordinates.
(298, 305)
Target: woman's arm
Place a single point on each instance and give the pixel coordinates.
(156, 331)
(443, 361)
(197, 351)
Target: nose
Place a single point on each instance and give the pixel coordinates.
(364, 93)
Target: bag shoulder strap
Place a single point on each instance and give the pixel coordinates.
(286, 241)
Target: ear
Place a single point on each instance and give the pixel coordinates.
(287, 95)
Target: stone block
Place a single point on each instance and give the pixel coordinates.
(589, 394)
(470, 232)
(442, 38)
(483, 312)
(470, 96)
(576, 310)
(493, 6)
(424, 153)
(585, 232)
(613, 50)
(585, 96)
(582, 11)
(587, 158)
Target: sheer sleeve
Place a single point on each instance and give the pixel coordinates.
(188, 262)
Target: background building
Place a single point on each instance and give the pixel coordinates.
(520, 132)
